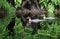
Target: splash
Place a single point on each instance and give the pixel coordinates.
(35, 20)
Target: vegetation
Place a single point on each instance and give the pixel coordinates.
(50, 29)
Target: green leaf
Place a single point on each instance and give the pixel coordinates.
(50, 9)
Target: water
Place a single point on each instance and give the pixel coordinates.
(36, 20)
(50, 18)
(39, 20)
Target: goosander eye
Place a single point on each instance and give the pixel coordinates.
(29, 20)
(44, 17)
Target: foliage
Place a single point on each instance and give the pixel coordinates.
(18, 26)
(18, 3)
(4, 22)
(50, 5)
(50, 29)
